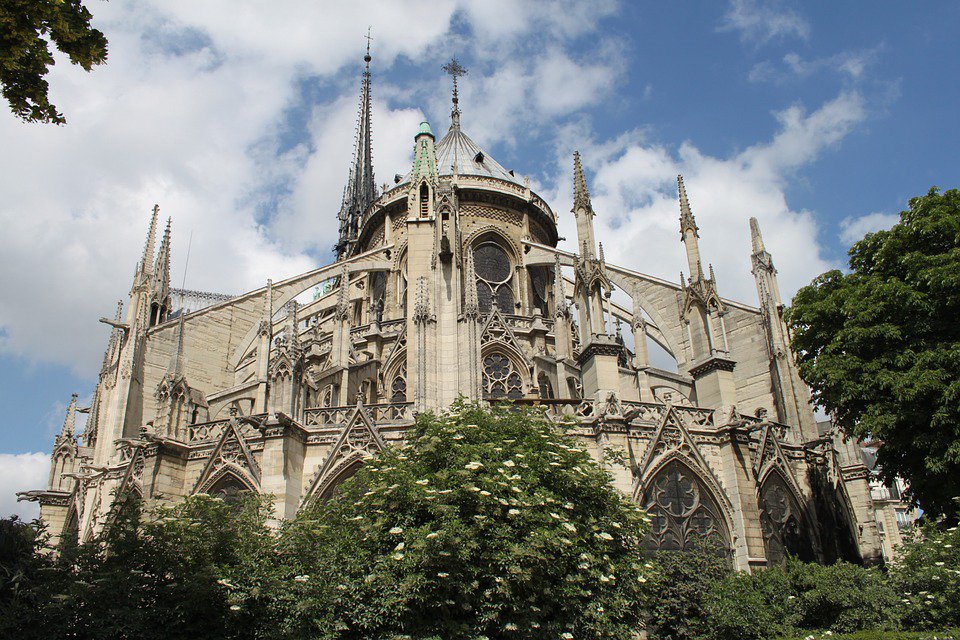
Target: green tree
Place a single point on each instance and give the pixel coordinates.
(680, 584)
(27, 27)
(880, 346)
(489, 523)
(200, 569)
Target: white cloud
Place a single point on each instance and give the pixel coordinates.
(190, 112)
(633, 184)
(21, 472)
(853, 228)
(759, 21)
(848, 64)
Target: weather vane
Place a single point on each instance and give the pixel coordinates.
(455, 69)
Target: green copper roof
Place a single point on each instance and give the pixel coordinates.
(425, 128)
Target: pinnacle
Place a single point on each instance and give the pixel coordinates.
(581, 195)
(687, 221)
(755, 237)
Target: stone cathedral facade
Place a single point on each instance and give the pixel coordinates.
(449, 283)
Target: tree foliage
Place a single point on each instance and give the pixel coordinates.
(880, 346)
(927, 576)
(27, 28)
(489, 524)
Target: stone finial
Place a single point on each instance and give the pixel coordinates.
(343, 298)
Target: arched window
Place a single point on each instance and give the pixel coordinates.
(682, 512)
(574, 388)
(782, 522)
(229, 488)
(500, 378)
(402, 284)
(494, 275)
(539, 286)
(424, 200)
(544, 386)
(398, 386)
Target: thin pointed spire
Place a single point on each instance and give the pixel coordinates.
(361, 191)
(687, 221)
(70, 421)
(581, 195)
(755, 238)
(161, 276)
(146, 262)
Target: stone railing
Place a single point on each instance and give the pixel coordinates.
(385, 413)
(210, 431)
(650, 413)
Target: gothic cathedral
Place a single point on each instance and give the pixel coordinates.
(451, 283)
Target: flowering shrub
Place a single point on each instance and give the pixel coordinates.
(927, 577)
(489, 523)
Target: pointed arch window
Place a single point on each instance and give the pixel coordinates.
(501, 378)
(494, 277)
(544, 386)
(683, 513)
(782, 522)
(539, 286)
(229, 488)
(398, 386)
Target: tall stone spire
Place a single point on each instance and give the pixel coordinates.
(689, 233)
(583, 210)
(146, 262)
(160, 291)
(581, 195)
(70, 421)
(361, 188)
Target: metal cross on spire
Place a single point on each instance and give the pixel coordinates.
(455, 69)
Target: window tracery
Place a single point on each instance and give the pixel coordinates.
(494, 273)
(398, 386)
(683, 515)
(781, 522)
(500, 378)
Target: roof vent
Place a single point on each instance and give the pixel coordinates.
(478, 158)
(397, 178)
(511, 173)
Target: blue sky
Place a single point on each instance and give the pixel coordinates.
(820, 119)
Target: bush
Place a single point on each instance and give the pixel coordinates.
(747, 606)
(799, 595)
(682, 581)
(927, 578)
(842, 597)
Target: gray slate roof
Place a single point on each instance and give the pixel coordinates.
(456, 148)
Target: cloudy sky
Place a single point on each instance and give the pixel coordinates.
(238, 119)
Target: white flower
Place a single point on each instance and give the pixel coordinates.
(399, 547)
(510, 626)
(603, 535)
(604, 578)
(485, 493)
(566, 636)
(423, 482)
(473, 465)
(300, 578)
(234, 607)
(398, 556)
(509, 463)
(432, 535)
(569, 527)
(514, 512)
(395, 531)
(443, 574)
(555, 516)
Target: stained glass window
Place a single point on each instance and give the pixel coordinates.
(229, 488)
(683, 515)
(500, 378)
(494, 275)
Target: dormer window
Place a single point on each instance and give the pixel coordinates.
(478, 158)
